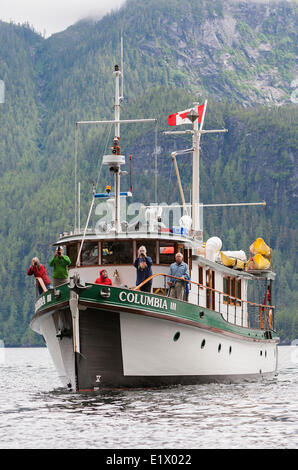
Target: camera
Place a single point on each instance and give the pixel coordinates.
(59, 250)
(35, 263)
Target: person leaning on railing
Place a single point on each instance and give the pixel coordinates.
(60, 263)
(38, 270)
(178, 269)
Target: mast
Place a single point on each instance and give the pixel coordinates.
(117, 100)
(114, 160)
(196, 170)
(117, 147)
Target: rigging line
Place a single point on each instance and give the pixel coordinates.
(155, 163)
(105, 149)
(76, 169)
(85, 229)
(169, 184)
(91, 205)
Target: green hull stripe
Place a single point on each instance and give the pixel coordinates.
(143, 301)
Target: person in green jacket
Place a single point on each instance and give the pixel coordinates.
(60, 263)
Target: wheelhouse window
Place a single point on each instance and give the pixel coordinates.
(150, 246)
(116, 252)
(72, 253)
(89, 255)
(166, 252)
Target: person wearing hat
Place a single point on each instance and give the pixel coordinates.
(103, 278)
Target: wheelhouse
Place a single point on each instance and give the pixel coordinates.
(213, 285)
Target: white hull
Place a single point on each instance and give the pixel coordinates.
(146, 351)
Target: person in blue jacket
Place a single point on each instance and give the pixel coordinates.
(143, 265)
(187, 284)
(179, 269)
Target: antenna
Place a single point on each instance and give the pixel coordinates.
(122, 70)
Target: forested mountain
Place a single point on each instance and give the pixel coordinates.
(239, 55)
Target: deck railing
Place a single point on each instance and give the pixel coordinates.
(234, 310)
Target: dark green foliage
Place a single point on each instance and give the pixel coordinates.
(50, 84)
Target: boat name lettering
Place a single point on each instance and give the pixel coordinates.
(141, 299)
(40, 302)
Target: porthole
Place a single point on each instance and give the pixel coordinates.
(219, 347)
(230, 350)
(265, 353)
(261, 353)
(203, 344)
(176, 336)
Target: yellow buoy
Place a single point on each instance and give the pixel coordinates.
(260, 262)
(260, 247)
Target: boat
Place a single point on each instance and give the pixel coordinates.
(120, 336)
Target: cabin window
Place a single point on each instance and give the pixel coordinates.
(116, 252)
(201, 279)
(233, 290)
(150, 246)
(89, 255)
(232, 287)
(226, 289)
(72, 253)
(238, 291)
(210, 294)
(166, 252)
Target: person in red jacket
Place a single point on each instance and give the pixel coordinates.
(38, 270)
(103, 278)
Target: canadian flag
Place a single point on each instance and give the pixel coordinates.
(180, 118)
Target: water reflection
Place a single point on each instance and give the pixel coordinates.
(253, 415)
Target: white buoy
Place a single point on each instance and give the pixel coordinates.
(213, 246)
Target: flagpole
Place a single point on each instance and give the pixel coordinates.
(196, 226)
(184, 117)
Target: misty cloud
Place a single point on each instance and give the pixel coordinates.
(51, 16)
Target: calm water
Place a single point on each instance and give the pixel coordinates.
(36, 413)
